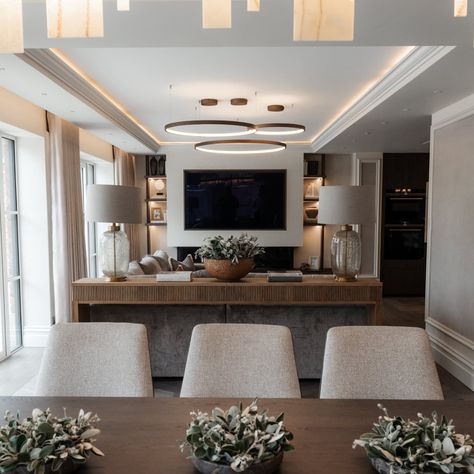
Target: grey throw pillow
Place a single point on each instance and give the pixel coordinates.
(163, 259)
(201, 274)
(150, 265)
(134, 268)
(186, 265)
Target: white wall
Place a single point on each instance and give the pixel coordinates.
(181, 158)
(34, 240)
(450, 286)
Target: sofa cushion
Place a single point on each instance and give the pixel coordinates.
(134, 268)
(150, 265)
(186, 265)
(163, 259)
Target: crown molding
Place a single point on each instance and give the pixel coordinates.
(411, 66)
(59, 71)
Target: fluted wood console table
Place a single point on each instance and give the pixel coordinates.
(208, 291)
(171, 310)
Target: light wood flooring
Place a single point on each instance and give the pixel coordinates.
(18, 373)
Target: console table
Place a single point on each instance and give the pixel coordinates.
(171, 309)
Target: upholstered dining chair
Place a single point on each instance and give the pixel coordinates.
(379, 362)
(241, 361)
(96, 360)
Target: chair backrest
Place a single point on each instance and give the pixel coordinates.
(379, 362)
(96, 360)
(241, 360)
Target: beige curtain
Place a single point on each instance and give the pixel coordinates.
(124, 173)
(67, 220)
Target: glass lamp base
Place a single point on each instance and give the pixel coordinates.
(114, 254)
(346, 254)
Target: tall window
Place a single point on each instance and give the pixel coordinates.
(10, 272)
(88, 177)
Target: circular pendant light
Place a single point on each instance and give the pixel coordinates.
(210, 128)
(240, 147)
(279, 129)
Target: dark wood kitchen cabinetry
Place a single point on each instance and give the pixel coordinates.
(403, 269)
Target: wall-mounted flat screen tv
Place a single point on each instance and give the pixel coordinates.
(235, 199)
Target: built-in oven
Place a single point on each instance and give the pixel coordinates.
(405, 207)
(404, 242)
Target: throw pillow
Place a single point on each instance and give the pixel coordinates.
(201, 274)
(186, 265)
(150, 265)
(163, 259)
(134, 268)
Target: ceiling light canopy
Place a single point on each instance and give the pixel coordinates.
(239, 101)
(208, 102)
(279, 129)
(276, 108)
(210, 128)
(240, 147)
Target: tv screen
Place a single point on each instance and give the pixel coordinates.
(237, 199)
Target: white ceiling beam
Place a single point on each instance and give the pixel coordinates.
(217, 13)
(75, 19)
(11, 26)
(323, 20)
(460, 8)
(253, 5)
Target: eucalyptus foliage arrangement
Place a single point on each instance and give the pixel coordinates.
(232, 248)
(237, 437)
(427, 445)
(44, 442)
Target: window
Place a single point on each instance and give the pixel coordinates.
(10, 272)
(88, 177)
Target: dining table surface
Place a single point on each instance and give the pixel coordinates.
(142, 435)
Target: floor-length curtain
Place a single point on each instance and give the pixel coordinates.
(124, 174)
(67, 219)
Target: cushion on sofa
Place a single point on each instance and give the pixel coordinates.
(186, 265)
(150, 265)
(134, 268)
(163, 259)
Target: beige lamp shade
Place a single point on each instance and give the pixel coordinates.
(115, 204)
(346, 205)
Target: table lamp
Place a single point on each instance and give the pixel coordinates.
(116, 205)
(346, 205)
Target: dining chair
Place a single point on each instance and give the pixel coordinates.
(96, 360)
(240, 361)
(379, 362)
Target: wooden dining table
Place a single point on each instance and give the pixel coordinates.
(141, 436)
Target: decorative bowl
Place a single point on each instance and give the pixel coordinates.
(226, 270)
(267, 467)
(383, 467)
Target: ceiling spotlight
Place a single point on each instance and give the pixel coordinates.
(208, 102)
(210, 128)
(276, 108)
(240, 147)
(279, 129)
(238, 101)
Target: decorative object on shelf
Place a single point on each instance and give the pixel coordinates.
(153, 166)
(158, 214)
(237, 440)
(431, 445)
(117, 205)
(43, 443)
(313, 165)
(162, 165)
(312, 188)
(294, 276)
(311, 214)
(160, 187)
(346, 205)
(210, 128)
(240, 147)
(229, 259)
(313, 262)
(279, 129)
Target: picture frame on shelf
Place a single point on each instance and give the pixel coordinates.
(159, 188)
(312, 188)
(158, 214)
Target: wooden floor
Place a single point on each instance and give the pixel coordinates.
(18, 373)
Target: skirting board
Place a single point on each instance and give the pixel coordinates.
(35, 336)
(452, 351)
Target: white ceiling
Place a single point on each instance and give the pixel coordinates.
(161, 42)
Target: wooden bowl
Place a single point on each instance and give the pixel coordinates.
(226, 270)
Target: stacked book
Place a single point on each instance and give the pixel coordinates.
(287, 276)
(173, 276)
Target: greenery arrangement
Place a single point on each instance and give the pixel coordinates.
(232, 248)
(44, 442)
(427, 445)
(237, 437)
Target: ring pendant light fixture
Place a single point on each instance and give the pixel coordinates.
(210, 128)
(279, 129)
(240, 147)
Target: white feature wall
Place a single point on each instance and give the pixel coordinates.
(182, 158)
(450, 286)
